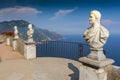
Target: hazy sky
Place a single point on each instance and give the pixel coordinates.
(62, 16)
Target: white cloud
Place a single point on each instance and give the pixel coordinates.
(110, 22)
(17, 13)
(61, 13)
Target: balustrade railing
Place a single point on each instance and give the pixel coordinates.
(63, 49)
(70, 50)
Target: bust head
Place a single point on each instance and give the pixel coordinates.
(15, 27)
(94, 17)
(30, 26)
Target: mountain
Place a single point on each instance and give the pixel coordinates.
(39, 34)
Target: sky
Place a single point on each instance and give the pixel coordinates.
(62, 16)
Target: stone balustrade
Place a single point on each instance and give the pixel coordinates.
(26, 48)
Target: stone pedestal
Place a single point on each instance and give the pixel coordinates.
(88, 73)
(14, 45)
(96, 55)
(95, 63)
(94, 70)
(30, 40)
(7, 41)
(30, 50)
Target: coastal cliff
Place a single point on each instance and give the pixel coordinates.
(39, 34)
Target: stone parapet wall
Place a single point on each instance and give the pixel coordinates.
(11, 41)
(20, 46)
(2, 38)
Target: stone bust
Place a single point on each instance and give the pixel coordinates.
(97, 35)
(16, 32)
(30, 33)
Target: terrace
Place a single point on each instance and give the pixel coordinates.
(19, 60)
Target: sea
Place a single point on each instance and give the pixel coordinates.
(112, 46)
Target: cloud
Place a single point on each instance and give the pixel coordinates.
(110, 22)
(17, 12)
(61, 13)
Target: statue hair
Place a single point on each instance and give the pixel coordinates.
(96, 13)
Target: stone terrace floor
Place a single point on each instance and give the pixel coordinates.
(6, 53)
(14, 67)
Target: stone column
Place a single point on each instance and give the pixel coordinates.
(8, 41)
(30, 50)
(14, 44)
(94, 64)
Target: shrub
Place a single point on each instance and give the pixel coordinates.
(8, 33)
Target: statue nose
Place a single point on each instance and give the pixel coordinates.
(90, 19)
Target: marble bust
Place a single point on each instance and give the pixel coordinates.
(96, 61)
(30, 33)
(97, 35)
(16, 32)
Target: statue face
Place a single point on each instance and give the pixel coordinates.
(15, 27)
(92, 19)
(30, 26)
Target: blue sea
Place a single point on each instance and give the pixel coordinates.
(112, 47)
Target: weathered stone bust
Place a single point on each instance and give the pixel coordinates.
(95, 62)
(97, 35)
(16, 32)
(30, 33)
